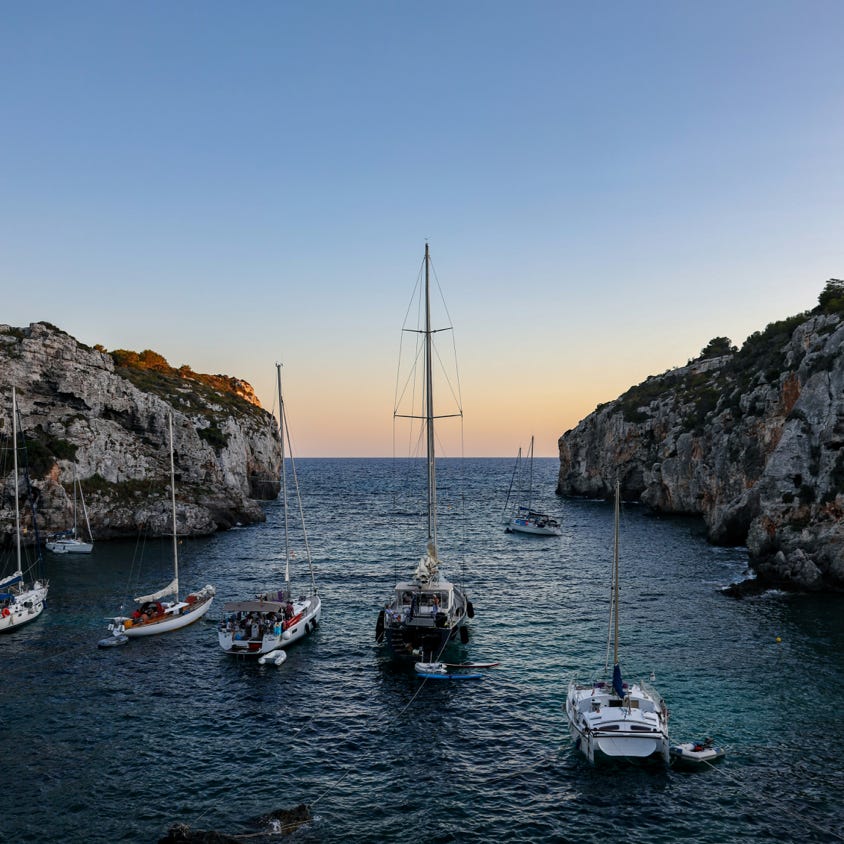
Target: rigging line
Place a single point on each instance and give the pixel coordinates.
(350, 768)
(801, 818)
(299, 500)
(454, 394)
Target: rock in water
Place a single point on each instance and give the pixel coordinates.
(277, 822)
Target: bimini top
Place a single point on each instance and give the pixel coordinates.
(254, 606)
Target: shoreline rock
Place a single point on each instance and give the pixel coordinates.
(82, 412)
(751, 440)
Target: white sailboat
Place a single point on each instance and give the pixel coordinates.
(154, 616)
(428, 611)
(21, 599)
(264, 626)
(524, 519)
(69, 541)
(617, 720)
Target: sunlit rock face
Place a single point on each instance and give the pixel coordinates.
(751, 440)
(81, 411)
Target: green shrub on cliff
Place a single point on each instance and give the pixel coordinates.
(831, 300)
(191, 392)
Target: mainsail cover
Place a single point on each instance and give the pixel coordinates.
(170, 589)
(617, 685)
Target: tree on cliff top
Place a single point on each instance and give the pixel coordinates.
(831, 299)
(717, 347)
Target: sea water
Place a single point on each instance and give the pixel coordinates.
(118, 744)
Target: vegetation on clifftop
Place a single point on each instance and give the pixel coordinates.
(210, 396)
(762, 358)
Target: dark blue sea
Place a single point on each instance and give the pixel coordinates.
(117, 745)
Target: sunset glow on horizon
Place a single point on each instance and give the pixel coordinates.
(603, 192)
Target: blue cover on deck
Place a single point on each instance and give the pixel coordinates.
(617, 685)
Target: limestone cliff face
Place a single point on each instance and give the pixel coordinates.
(752, 440)
(78, 408)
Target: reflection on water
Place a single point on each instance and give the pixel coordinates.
(118, 744)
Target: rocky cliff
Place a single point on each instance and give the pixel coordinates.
(104, 416)
(750, 439)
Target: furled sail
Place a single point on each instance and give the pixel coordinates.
(429, 566)
(170, 589)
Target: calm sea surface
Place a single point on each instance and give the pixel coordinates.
(116, 745)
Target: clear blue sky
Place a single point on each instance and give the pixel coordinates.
(605, 187)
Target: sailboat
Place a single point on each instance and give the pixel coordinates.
(264, 626)
(524, 519)
(426, 612)
(21, 601)
(69, 541)
(154, 616)
(617, 720)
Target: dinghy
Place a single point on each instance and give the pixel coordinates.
(692, 754)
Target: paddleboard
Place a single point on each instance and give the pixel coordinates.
(450, 676)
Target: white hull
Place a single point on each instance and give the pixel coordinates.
(603, 725)
(26, 607)
(176, 616)
(692, 754)
(527, 526)
(306, 617)
(70, 546)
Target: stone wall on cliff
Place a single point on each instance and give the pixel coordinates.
(751, 440)
(82, 413)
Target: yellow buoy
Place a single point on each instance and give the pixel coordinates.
(778, 640)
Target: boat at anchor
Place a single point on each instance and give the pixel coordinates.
(154, 615)
(617, 720)
(426, 612)
(263, 626)
(23, 592)
(524, 518)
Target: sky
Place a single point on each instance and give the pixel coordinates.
(604, 188)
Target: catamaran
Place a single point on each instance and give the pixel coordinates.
(22, 598)
(265, 625)
(617, 720)
(427, 611)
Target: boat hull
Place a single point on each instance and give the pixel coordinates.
(605, 727)
(26, 607)
(306, 618)
(70, 546)
(687, 756)
(167, 623)
(523, 526)
(407, 640)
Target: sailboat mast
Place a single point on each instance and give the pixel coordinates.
(173, 501)
(615, 569)
(283, 481)
(429, 409)
(15, 451)
(530, 476)
(74, 501)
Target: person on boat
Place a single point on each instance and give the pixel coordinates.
(288, 610)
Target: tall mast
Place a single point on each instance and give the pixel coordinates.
(283, 481)
(173, 500)
(15, 451)
(429, 412)
(74, 501)
(615, 568)
(530, 477)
